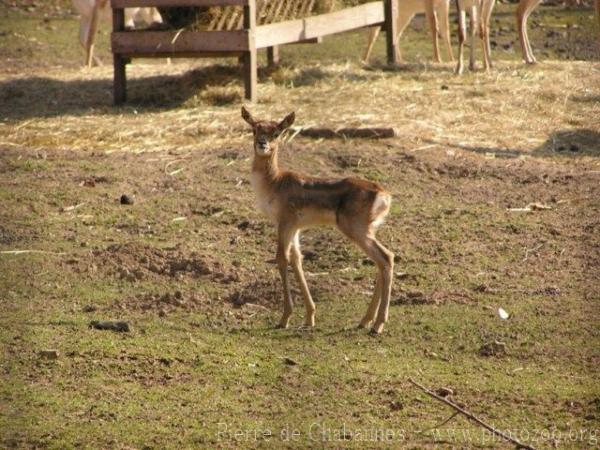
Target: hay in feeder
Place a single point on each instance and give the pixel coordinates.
(231, 17)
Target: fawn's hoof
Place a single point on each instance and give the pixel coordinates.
(364, 324)
(309, 321)
(377, 328)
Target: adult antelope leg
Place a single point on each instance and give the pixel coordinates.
(523, 11)
(373, 33)
(445, 28)
(473, 31)
(84, 30)
(484, 28)
(91, 35)
(433, 26)
(404, 18)
(462, 35)
(309, 320)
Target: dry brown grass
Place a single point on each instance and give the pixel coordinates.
(513, 110)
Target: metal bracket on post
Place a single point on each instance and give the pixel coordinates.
(250, 64)
(119, 62)
(391, 30)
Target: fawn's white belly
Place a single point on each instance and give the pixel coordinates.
(314, 217)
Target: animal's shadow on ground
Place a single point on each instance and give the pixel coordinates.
(35, 97)
(566, 143)
(26, 98)
(411, 67)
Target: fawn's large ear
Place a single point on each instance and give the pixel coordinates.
(287, 122)
(248, 117)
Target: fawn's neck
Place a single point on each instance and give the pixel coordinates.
(267, 167)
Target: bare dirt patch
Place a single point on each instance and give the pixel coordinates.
(264, 293)
(136, 261)
(166, 302)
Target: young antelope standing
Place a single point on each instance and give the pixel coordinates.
(294, 202)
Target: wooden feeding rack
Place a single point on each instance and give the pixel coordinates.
(243, 41)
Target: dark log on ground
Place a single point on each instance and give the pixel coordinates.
(349, 133)
(119, 326)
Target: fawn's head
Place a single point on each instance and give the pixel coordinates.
(267, 134)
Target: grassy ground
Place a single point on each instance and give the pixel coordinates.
(190, 264)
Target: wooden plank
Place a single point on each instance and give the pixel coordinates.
(170, 3)
(317, 40)
(183, 55)
(313, 27)
(163, 42)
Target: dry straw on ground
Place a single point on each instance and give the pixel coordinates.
(185, 107)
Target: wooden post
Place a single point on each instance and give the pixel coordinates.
(273, 55)
(250, 64)
(391, 30)
(120, 80)
(119, 77)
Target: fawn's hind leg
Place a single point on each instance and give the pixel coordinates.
(374, 305)
(309, 320)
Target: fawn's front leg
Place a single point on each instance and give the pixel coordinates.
(283, 258)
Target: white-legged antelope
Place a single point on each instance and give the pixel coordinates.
(480, 12)
(94, 11)
(436, 14)
(295, 202)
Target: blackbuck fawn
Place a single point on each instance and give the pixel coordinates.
(295, 202)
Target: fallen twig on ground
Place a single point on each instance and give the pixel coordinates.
(470, 416)
(531, 250)
(21, 252)
(439, 424)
